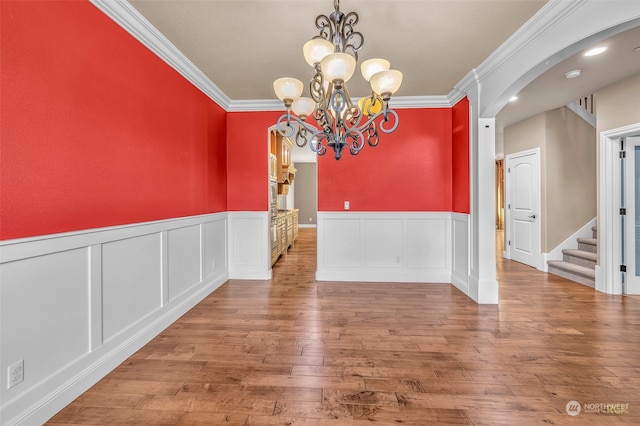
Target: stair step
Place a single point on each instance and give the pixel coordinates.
(580, 257)
(573, 272)
(588, 244)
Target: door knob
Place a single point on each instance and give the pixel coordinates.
(533, 216)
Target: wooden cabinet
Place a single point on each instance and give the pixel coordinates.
(286, 233)
(285, 172)
(282, 233)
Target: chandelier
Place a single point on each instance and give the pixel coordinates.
(334, 54)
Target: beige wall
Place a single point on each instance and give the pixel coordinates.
(527, 134)
(567, 170)
(570, 175)
(618, 105)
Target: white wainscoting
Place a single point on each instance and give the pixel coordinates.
(249, 245)
(385, 246)
(460, 241)
(73, 306)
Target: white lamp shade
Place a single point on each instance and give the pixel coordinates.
(338, 66)
(303, 106)
(386, 82)
(288, 88)
(372, 66)
(316, 49)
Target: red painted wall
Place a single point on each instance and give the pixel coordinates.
(409, 170)
(460, 146)
(95, 130)
(247, 159)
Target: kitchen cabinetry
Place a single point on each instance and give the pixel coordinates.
(285, 172)
(286, 233)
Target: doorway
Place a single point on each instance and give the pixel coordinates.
(523, 207)
(306, 194)
(614, 253)
(630, 221)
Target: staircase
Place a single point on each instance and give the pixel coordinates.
(578, 265)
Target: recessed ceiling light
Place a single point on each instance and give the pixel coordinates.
(572, 74)
(513, 98)
(595, 51)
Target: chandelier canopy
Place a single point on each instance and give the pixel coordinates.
(334, 54)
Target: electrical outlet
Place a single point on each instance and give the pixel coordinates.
(346, 205)
(15, 374)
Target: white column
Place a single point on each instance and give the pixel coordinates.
(483, 215)
(483, 286)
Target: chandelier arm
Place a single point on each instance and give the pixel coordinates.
(316, 144)
(301, 137)
(396, 120)
(324, 119)
(290, 130)
(357, 141)
(339, 102)
(323, 23)
(316, 87)
(353, 115)
(351, 41)
(372, 134)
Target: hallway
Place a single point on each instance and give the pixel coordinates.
(295, 351)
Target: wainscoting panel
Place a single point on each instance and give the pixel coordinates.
(73, 306)
(249, 250)
(185, 263)
(131, 282)
(340, 243)
(386, 246)
(384, 243)
(460, 273)
(44, 318)
(428, 243)
(215, 248)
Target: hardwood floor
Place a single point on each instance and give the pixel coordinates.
(293, 351)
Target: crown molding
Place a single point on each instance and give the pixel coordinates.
(401, 102)
(406, 102)
(256, 105)
(125, 15)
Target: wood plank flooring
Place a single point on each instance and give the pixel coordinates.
(293, 351)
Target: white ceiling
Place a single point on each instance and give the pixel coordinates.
(243, 45)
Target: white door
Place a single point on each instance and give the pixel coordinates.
(631, 227)
(523, 207)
